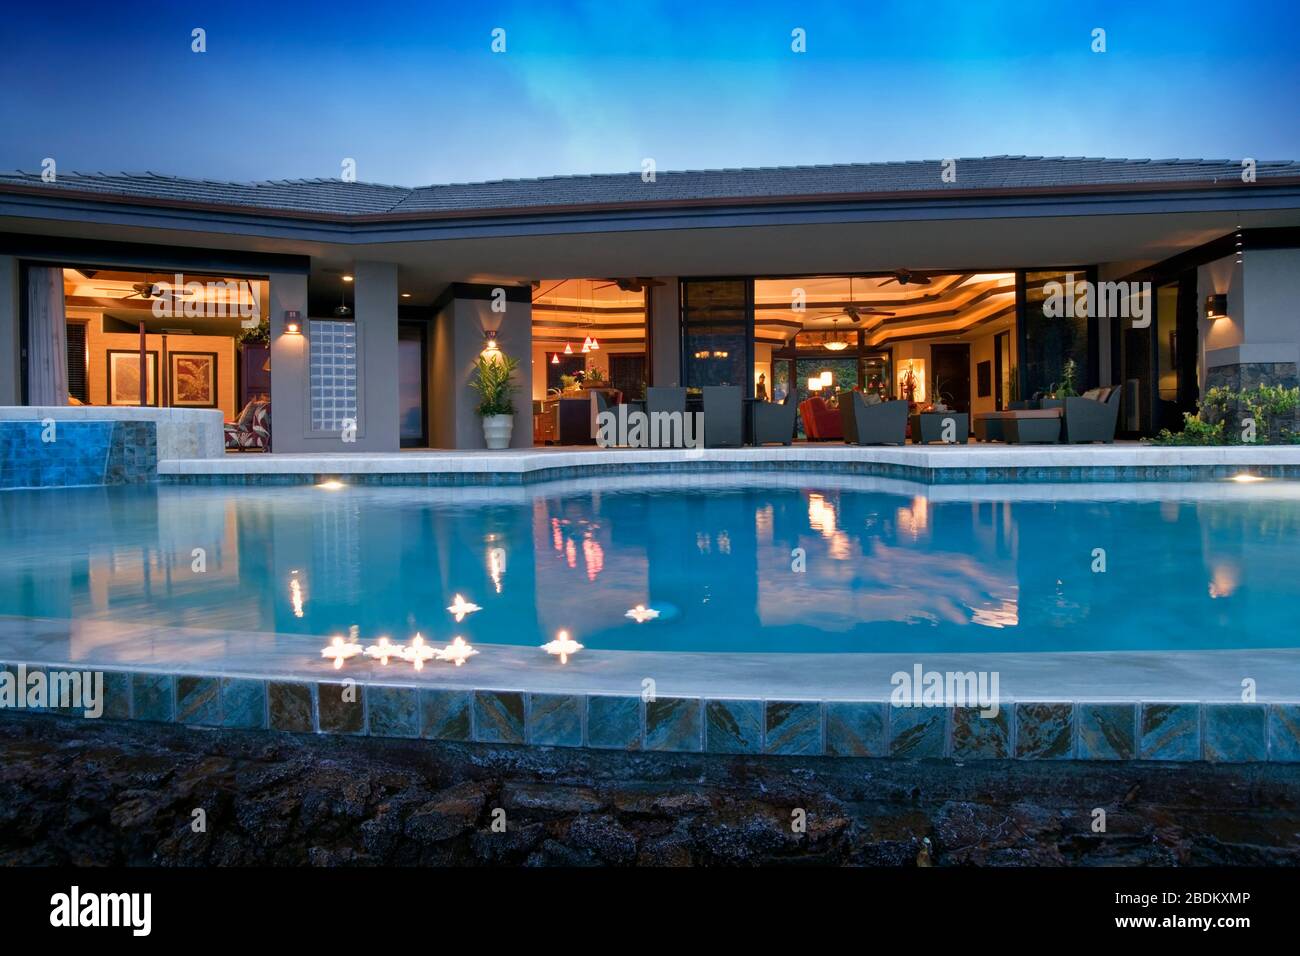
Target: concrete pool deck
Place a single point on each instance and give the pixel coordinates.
(1082, 705)
(929, 463)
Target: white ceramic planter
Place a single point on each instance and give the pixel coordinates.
(497, 430)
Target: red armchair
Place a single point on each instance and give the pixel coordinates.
(820, 421)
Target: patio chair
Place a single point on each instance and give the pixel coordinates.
(724, 417)
(775, 422)
(1091, 416)
(659, 398)
(252, 430)
(884, 423)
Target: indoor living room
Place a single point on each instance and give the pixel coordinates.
(942, 342)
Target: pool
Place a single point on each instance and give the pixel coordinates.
(764, 564)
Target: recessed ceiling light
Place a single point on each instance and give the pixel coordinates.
(347, 278)
(406, 295)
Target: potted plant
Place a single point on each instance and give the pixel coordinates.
(494, 381)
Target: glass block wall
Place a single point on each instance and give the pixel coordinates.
(334, 393)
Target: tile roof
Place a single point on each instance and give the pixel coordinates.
(336, 198)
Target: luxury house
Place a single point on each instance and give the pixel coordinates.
(356, 311)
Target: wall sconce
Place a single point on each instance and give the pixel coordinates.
(1216, 306)
(490, 347)
(292, 323)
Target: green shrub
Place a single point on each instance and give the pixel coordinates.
(494, 382)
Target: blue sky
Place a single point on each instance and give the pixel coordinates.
(413, 92)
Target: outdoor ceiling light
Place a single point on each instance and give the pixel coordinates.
(1216, 306)
(839, 345)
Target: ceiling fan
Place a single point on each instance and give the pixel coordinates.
(855, 314)
(145, 290)
(907, 277)
(632, 283)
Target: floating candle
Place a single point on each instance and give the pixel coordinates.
(563, 645)
(460, 607)
(339, 650)
(457, 651)
(383, 650)
(417, 652)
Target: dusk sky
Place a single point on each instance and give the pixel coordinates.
(414, 93)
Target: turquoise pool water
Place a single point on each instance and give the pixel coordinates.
(806, 565)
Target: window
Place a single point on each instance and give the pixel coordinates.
(78, 386)
(715, 333)
(333, 374)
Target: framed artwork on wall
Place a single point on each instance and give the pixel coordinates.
(192, 379)
(124, 377)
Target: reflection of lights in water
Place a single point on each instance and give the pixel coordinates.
(570, 554)
(821, 515)
(1006, 614)
(331, 485)
(563, 646)
(417, 652)
(496, 564)
(1245, 477)
(641, 614)
(1224, 579)
(383, 650)
(1169, 511)
(459, 607)
(457, 651)
(763, 523)
(703, 542)
(594, 557)
(840, 547)
(339, 650)
(915, 519)
(557, 537)
(295, 595)
(724, 542)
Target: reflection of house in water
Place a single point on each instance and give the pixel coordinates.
(877, 558)
(589, 571)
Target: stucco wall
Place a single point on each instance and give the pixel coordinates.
(459, 332)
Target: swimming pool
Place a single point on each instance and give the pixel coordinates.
(766, 564)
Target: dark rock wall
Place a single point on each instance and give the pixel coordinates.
(95, 793)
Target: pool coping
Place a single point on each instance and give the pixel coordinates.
(930, 464)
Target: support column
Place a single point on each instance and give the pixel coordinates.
(10, 347)
(465, 316)
(666, 333)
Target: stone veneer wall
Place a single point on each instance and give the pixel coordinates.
(1248, 375)
(80, 453)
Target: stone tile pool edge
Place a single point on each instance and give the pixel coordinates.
(914, 473)
(1092, 730)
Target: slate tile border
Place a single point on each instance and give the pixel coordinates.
(842, 729)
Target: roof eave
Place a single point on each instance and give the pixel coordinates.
(88, 195)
